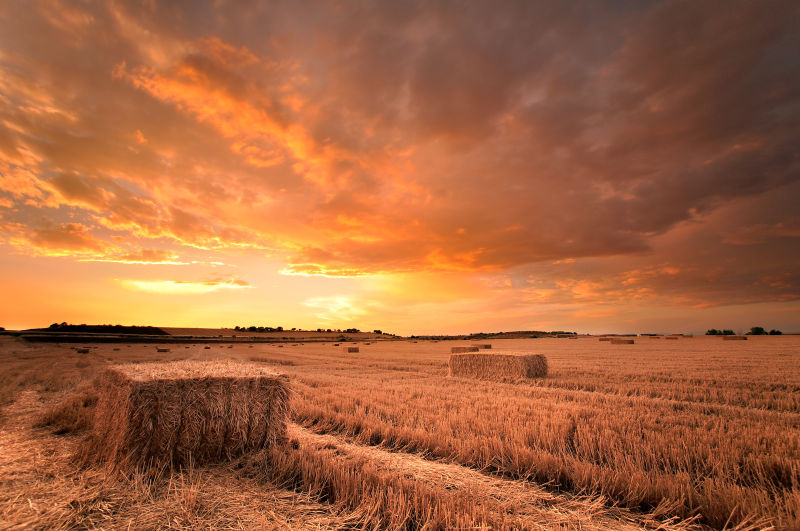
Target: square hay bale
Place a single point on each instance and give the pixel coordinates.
(482, 346)
(350, 349)
(622, 341)
(159, 349)
(498, 366)
(207, 347)
(734, 338)
(456, 350)
(82, 350)
(159, 416)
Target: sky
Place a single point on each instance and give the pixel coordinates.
(417, 167)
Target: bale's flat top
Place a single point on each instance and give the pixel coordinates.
(193, 369)
(495, 354)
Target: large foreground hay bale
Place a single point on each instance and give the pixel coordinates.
(734, 338)
(165, 415)
(498, 366)
(622, 341)
(455, 350)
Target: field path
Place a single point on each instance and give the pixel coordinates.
(531, 506)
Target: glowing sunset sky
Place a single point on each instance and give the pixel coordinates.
(416, 167)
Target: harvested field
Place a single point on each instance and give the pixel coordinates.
(164, 415)
(504, 455)
(605, 339)
(498, 366)
(734, 338)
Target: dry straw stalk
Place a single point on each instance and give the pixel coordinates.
(159, 416)
(498, 366)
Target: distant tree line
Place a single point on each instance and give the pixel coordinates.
(754, 331)
(104, 329)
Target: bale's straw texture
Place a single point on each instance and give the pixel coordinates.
(351, 349)
(455, 350)
(483, 346)
(734, 338)
(498, 366)
(158, 416)
(622, 341)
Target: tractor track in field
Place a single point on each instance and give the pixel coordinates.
(528, 505)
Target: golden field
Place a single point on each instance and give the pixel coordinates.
(693, 433)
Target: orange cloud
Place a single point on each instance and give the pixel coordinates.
(182, 287)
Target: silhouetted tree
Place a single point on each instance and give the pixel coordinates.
(713, 332)
(757, 331)
(774, 332)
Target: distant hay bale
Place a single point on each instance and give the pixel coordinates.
(734, 338)
(207, 347)
(82, 350)
(605, 339)
(482, 346)
(350, 349)
(456, 350)
(116, 349)
(159, 349)
(657, 337)
(336, 344)
(158, 416)
(622, 341)
(498, 366)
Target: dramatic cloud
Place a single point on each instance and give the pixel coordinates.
(543, 154)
